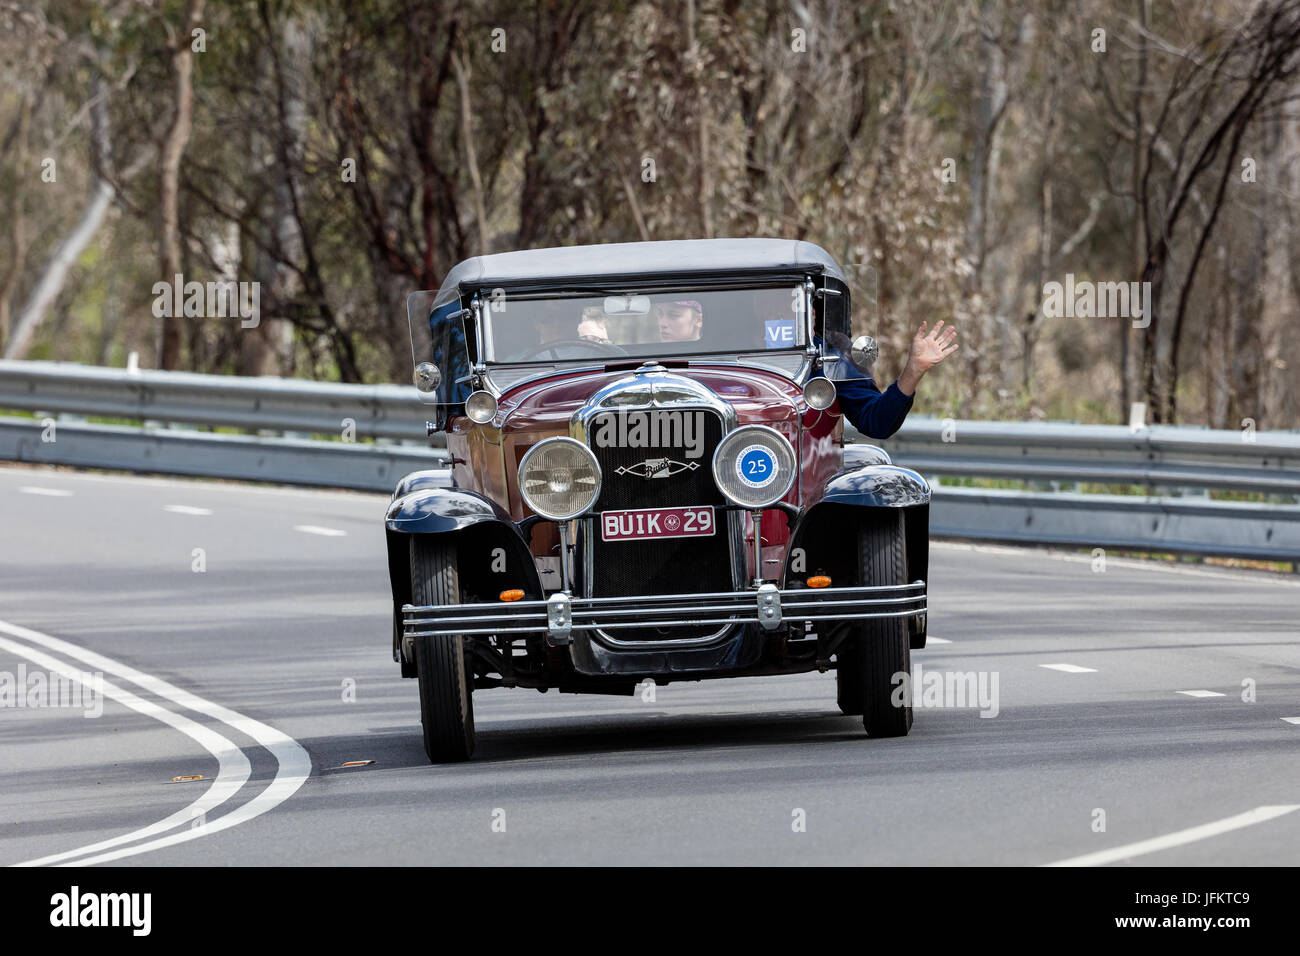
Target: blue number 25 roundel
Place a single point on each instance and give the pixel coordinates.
(756, 466)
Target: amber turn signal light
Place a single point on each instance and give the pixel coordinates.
(818, 581)
(514, 594)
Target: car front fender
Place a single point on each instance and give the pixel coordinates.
(878, 486)
(420, 480)
(492, 553)
(440, 510)
(819, 542)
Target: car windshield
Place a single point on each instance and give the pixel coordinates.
(642, 324)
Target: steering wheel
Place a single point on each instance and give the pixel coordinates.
(554, 348)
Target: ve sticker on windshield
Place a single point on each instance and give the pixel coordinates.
(779, 333)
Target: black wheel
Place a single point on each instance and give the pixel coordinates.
(881, 648)
(441, 662)
(408, 667)
(916, 633)
(848, 677)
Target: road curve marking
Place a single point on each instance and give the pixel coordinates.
(1180, 837)
(48, 492)
(233, 768)
(317, 529)
(294, 764)
(1069, 668)
(187, 510)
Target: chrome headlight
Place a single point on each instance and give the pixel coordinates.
(754, 466)
(427, 377)
(819, 393)
(481, 407)
(559, 478)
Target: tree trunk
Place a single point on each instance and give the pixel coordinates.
(1044, 258)
(267, 348)
(52, 278)
(17, 223)
(705, 183)
(461, 66)
(1140, 238)
(1277, 304)
(990, 105)
(1217, 347)
(178, 137)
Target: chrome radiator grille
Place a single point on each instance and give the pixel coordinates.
(658, 477)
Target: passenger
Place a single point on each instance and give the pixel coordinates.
(679, 321)
(879, 414)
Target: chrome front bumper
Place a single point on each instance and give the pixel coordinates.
(767, 606)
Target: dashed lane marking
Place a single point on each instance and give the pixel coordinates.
(317, 529)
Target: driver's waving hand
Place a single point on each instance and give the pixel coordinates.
(878, 414)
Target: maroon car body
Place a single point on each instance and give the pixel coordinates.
(567, 547)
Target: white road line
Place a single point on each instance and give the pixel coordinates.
(190, 484)
(187, 510)
(294, 764)
(1241, 577)
(1179, 838)
(1069, 668)
(1201, 693)
(937, 640)
(233, 767)
(48, 492)
(317, 529)
(1292, 720)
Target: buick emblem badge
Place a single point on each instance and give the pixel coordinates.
(657, 468)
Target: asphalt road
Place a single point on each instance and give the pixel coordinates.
(268, 669)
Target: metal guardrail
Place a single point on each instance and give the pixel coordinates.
(1121, 522)
(1156, 455)
(168, 451)
(271, 404)
(388, 421)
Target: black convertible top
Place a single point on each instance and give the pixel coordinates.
(623, 262)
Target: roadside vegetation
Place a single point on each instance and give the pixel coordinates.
(958, 157)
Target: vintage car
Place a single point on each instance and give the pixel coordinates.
(649, 481)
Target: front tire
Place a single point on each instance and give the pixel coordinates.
(848, 677)
(881, 647)
(441, 661)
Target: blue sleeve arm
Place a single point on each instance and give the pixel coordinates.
(875, 413)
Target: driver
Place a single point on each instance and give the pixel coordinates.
(591, 327)
(679, 321)
(557, 323)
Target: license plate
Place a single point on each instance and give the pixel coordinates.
(657, 523)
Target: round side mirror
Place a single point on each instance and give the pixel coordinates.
(427, 376)
(864, 352)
